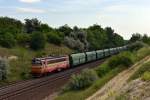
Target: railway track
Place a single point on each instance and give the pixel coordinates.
(37, 89)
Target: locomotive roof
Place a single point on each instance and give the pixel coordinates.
(50, 58)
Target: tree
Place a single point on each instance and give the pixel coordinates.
(10, 25)
(146, 39)
(96, 37)
(135, 37)
(110, 34)
(38, 41)
(23, 39)
(118, 40)
(45, 28)
(66, 30)
(7, 40)
(54, 38)
(32, 25)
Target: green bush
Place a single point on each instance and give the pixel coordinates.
(124, 59)
(143, 52)
(23, 39)
(7, 40)
(103, 69)
(54, 38)
(83, 80)
(136, 46)
(38, 41)
(146, 76)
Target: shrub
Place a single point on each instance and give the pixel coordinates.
(83, 80)
(3, 68)
(123, 59)
(140, 71)
(54, 38)
(136, 46)
(38, 41)
(103, 69)
(146, 76)
(143, 52)
(7, 40)
(23, 39)
(74, 44)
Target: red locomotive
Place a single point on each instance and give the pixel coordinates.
(42, 66)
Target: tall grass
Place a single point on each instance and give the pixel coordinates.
(140, 71)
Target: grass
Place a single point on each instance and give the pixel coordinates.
(143, 52)
(146, 76)
(83, 94)
(140, 71)
(121, 97)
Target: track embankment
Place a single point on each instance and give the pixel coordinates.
(113, 87)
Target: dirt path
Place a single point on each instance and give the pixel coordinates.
(113, 86)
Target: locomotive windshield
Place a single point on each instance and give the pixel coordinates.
(36, 62)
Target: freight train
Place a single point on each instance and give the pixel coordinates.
(51, 64)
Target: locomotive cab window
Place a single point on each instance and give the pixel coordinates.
(36, 62)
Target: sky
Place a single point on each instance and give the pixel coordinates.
(124, 16)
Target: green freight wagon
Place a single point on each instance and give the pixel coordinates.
(90, 56)
(77, 59)
(100, 54)
(115, 50)
(112, 51)
(107, 52)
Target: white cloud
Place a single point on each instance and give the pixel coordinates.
(30, 10)
(29, 1)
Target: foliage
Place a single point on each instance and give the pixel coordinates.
(136, 46)
(77, 40)
(103, 69)
(32, 25)
(10, 25)
(84, 93)
(74, 44)
(44, 28)
(4, 66)
(66, 30)
(135, 37)
(7, 40)
(140, 71)
(54, 38)
(143, 52)
(146, 76)
(38, 41)
(100, 38)
(94, 37)
(23, 39)
(124, 59)
(82, 80)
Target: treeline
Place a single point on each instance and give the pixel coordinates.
(138, 37)
(34, 34)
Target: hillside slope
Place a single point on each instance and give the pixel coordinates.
(112, 88)
(20, 59)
